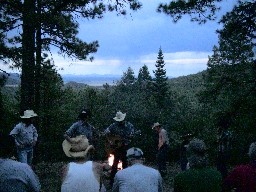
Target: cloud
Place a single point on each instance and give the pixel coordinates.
(176, 64)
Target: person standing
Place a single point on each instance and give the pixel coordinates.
(183, 150)
(124, 131)
(25, 135)
(81, 127)
(137, 177)
(199, 177)
(224, 140)
(243, 177)
(15, 176)
(163, 146)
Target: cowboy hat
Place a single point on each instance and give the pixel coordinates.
(119, 116)
(84, 113)
(156, 125)
(79, 148)
(28, 114)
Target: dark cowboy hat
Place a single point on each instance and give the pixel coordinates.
(84, 113)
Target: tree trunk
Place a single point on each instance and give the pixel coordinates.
(28, 59)
(38, 58)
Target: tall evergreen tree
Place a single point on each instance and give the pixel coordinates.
(54, 24)
(160, 80)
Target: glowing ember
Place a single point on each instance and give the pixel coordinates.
(111, 161)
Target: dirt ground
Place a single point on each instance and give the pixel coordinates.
(50, 176)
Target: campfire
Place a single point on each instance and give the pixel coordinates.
(111, 161)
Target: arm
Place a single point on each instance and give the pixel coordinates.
(35, 136)
(68, 134)
(161, 139)
(63, 172)
(107, 131)
(14, 133)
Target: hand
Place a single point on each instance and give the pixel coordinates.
(34, 143)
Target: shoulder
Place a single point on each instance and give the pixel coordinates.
(32, 126)
(19, 167)
(113, 125)
(128, 124)
(163, 131)
(19, 125)
(76, 124)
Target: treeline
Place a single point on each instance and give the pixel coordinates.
(196, 103)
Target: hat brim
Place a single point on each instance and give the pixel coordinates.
(155, 126)
(67, 150)
(120, 119)
(28, 117)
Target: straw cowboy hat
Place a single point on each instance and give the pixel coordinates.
(156, 125)
(119, 116)
(28, 114)
(79, 148)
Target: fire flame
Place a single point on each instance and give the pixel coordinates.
(111, 161)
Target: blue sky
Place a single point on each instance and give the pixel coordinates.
(134, 40)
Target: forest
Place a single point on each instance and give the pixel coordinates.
(194, 103)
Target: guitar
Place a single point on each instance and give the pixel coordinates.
(114, 142)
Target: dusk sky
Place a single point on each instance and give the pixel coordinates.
(135, 39)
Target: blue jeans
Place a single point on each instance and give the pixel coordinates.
(25, 155)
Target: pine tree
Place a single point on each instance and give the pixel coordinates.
(144, 74)
(128, 77)
(160, 81)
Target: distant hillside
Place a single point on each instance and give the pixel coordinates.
(189, 85)
(92, 80)
(12, 79)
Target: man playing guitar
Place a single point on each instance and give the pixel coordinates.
(122, 131)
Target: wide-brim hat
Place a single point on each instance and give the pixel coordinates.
(156, 125)
(28, 114)
(79, 148)
(119, 116)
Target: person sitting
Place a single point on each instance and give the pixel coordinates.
(199, 177)
(15, 176)
(81, 175)
(243, 177)
(137, 177)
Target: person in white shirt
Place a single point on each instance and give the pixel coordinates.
(81, 175)
(137, 177)
(163, 145)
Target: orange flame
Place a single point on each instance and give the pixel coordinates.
(111, 161)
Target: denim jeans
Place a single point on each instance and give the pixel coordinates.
(162, 156)
(25, 155)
